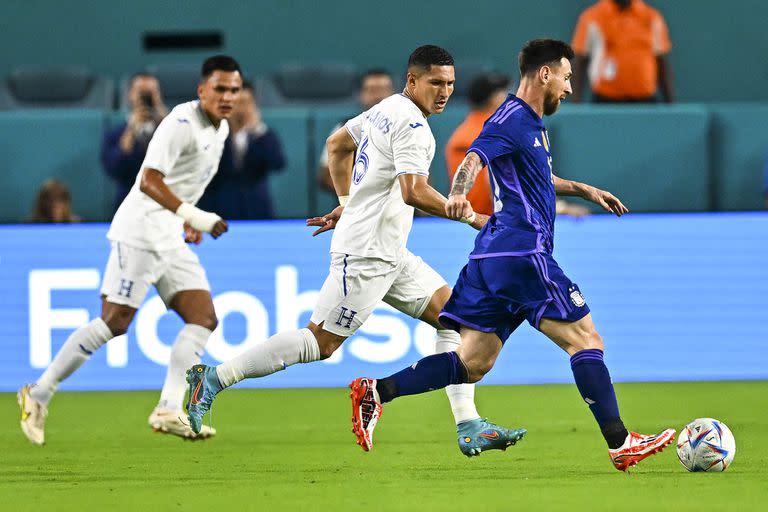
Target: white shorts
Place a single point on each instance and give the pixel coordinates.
(131, 271)
(356, 285)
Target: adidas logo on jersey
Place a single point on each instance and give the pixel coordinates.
(536, 142)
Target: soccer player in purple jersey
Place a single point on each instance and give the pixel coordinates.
(511, 275)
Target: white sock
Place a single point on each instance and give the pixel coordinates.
(186, 351)
(75, 351)
(461, 396)
(277, 353)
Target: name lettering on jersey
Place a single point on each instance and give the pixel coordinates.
(380, 122)
(415, 125)
(182, 120)
(361, 163)
(345, 317)
(125, 287)
(506, 110)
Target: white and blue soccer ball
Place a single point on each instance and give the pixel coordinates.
(706, 444)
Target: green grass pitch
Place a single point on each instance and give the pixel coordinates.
(293, 450)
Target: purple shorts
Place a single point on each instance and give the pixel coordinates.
(497, 294)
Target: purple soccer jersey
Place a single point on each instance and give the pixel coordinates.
(515, 146)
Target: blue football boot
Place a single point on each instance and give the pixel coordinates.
(204, 385)
(480, 435)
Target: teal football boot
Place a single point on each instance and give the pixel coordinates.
(204, 385)
(480, 435)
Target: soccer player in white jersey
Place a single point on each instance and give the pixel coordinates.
(148, 235)
(379, 162)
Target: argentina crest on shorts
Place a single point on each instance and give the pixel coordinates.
(576, 297)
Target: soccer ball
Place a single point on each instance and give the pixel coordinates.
(706, 445)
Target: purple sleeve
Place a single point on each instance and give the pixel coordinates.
(494, 141)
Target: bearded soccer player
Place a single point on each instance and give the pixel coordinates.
(147, 237)
(379, 163)
(511, 275)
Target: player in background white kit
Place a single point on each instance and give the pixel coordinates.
(148, 235)
(379, 162)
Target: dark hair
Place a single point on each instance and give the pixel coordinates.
(429, 55)
(541, 52)
(218, 63)
(374, 72)
(51, 191)
(484, 86)
(248, 86)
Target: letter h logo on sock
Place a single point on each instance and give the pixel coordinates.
(346, 315)
(125, 288)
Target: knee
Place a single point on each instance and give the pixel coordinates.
(117, 321)
(210, 322)
(476, 369)
(326, 341)
(588, 340)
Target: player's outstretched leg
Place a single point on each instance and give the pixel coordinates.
(33, 414)
(204, 385)
(480, 435)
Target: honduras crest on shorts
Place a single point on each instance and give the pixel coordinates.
(576, 297)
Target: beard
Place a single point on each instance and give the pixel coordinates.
(551, 103)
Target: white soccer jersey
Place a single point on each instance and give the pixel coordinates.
(186, 148)
(392, 138)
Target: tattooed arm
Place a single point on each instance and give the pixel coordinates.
(458, 207)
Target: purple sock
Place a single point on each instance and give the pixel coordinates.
(594, 383)
(432, 372)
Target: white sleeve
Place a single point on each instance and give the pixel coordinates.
(169, 140)
(412, 148)
(355, 125)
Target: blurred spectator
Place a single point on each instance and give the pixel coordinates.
(624, 45)
(486, 93)
(53, 204)
(375, 85)
(240, 189)
(124, 146)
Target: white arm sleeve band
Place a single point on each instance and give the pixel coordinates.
(197, 218)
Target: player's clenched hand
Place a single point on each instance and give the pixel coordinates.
(458, 207)
(608, 201)
(192, 235)
(219, 228)
(326, 222)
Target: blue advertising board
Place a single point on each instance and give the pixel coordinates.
(674, 296)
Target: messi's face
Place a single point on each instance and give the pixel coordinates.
(431, 89)
(558, 86)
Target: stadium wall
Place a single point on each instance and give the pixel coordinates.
(678, 158)
(675, 297)
(710, 37)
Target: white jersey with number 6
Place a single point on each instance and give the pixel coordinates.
(392, 138)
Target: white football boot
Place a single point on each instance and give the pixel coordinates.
(33, 415)
(168, 421)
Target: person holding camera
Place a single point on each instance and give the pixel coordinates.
(124, 146)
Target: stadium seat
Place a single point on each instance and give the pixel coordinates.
(70, 87)
(466, 71)
(324, 84)
(178, 81)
